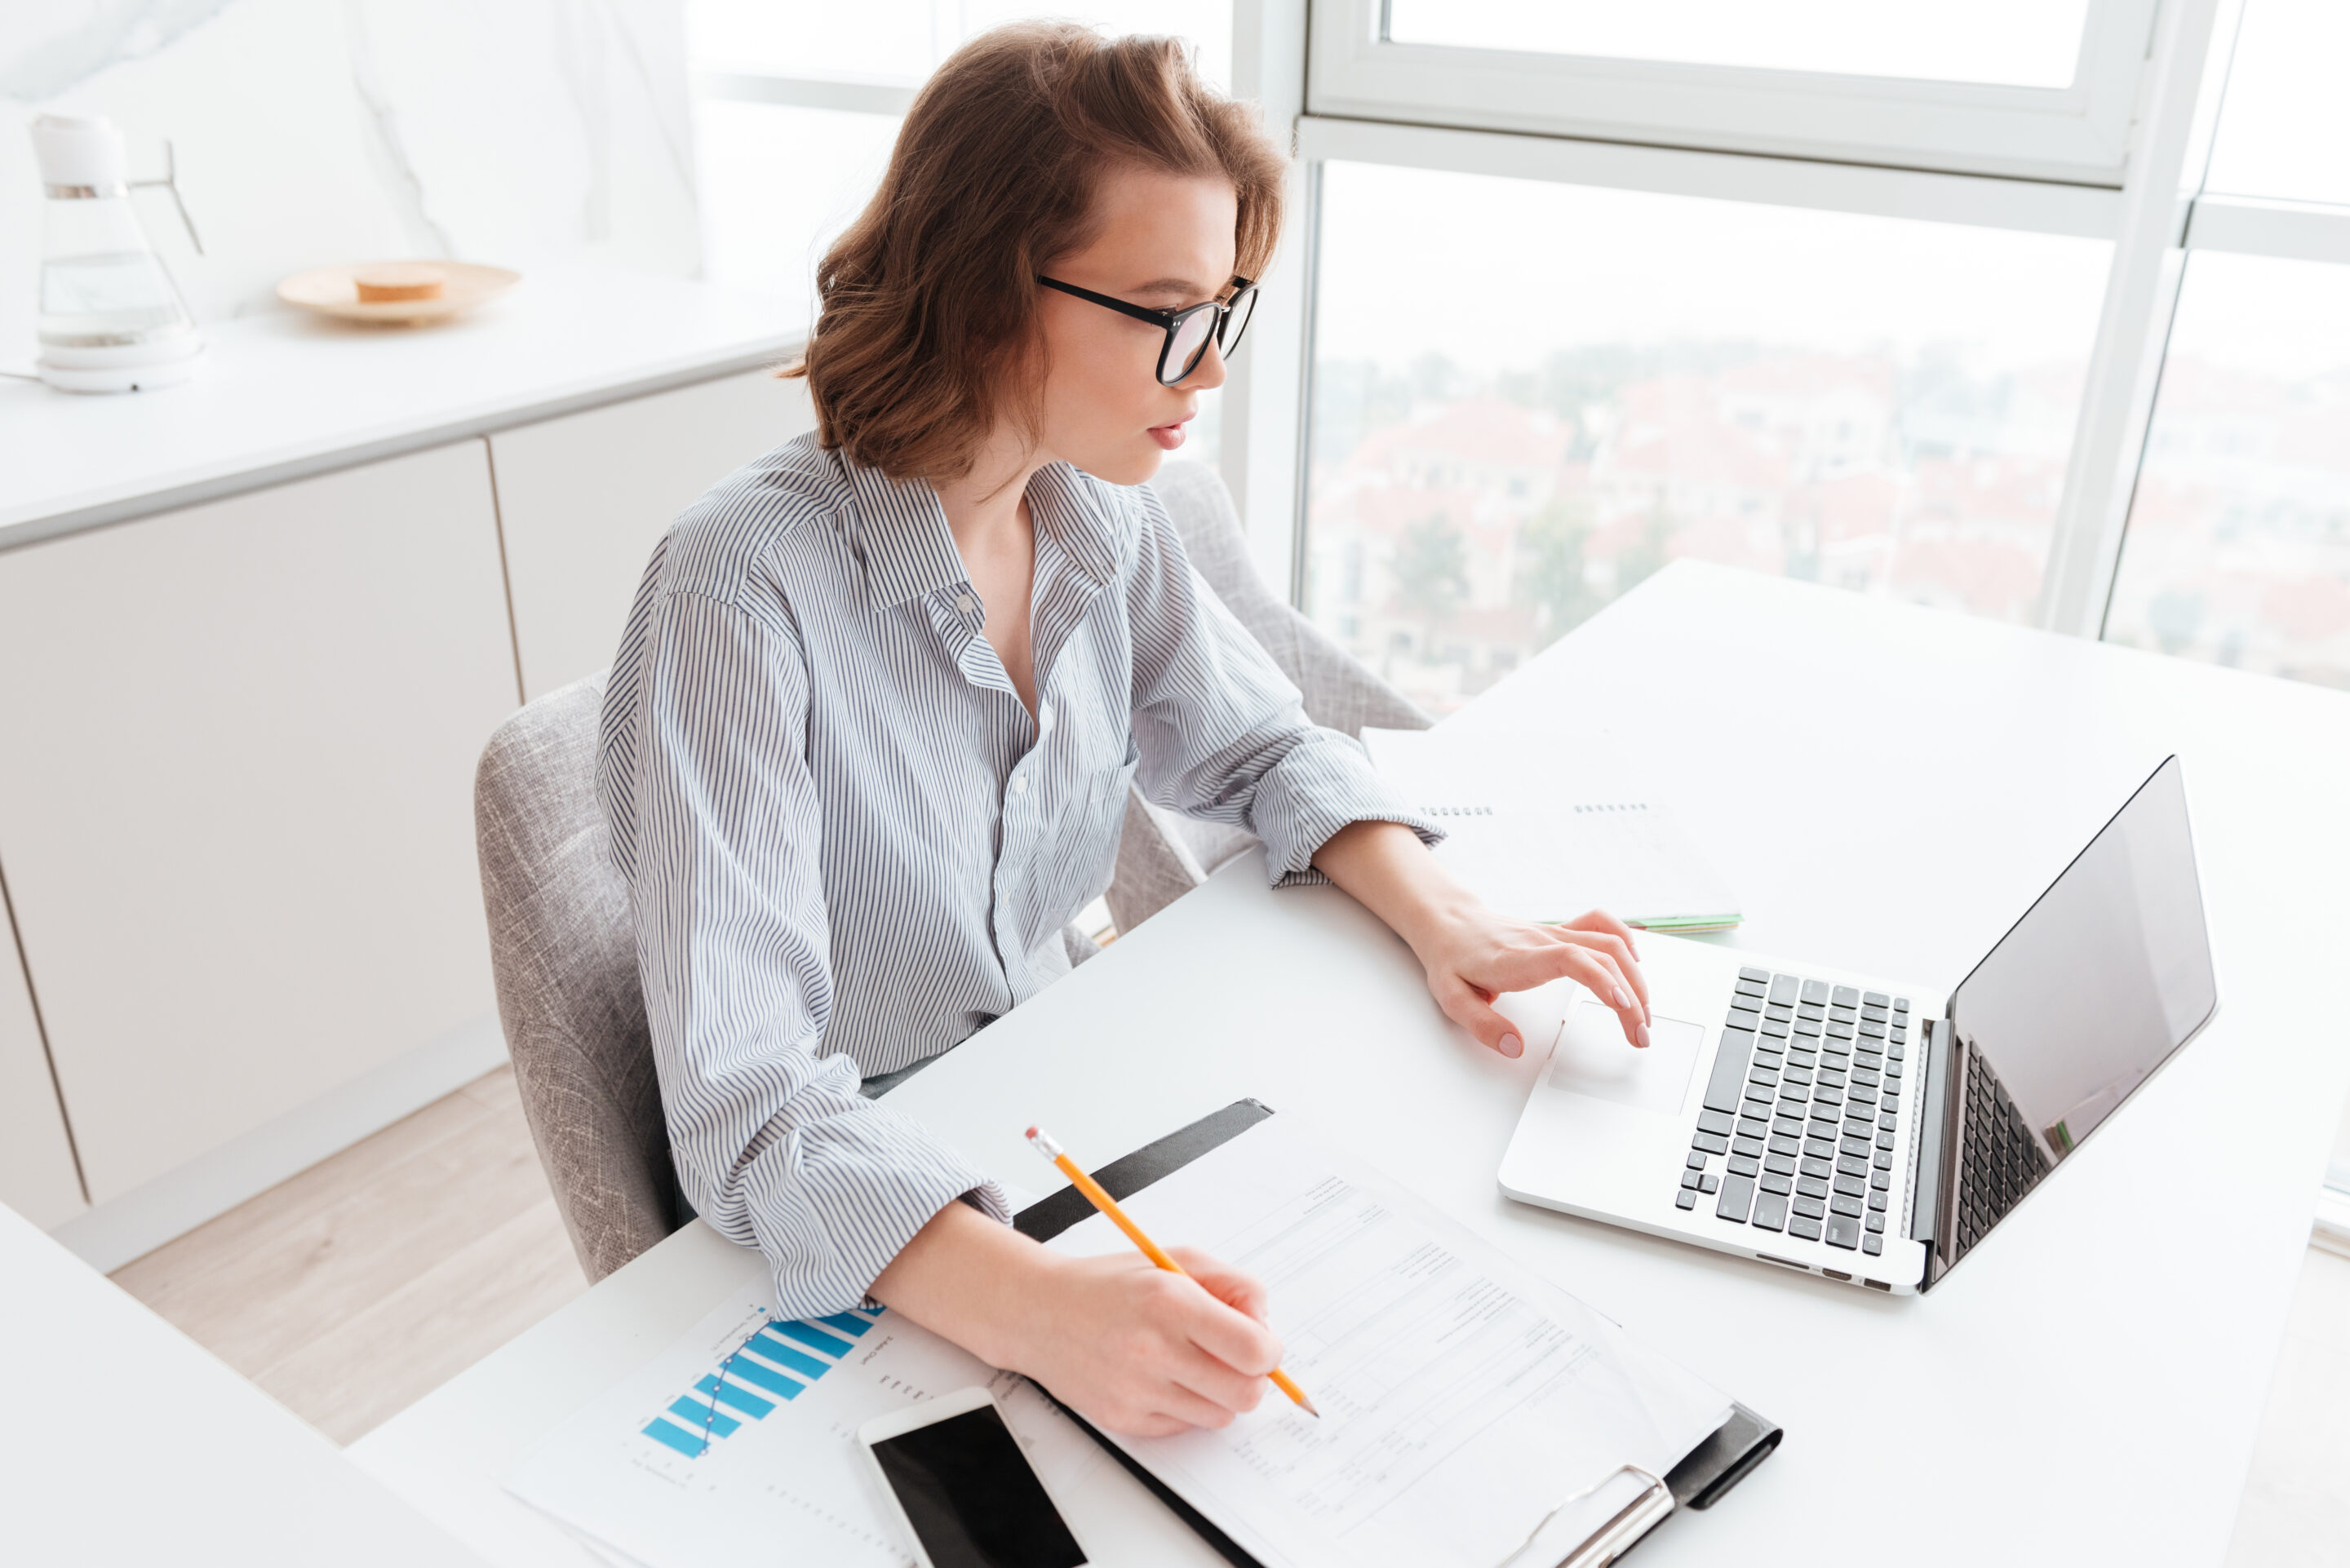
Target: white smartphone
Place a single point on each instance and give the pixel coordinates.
(963, 1488)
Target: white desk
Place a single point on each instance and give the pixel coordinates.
(1885, 786)
(125, 1443)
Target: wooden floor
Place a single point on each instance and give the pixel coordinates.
(372, 1278)
(369, 1280)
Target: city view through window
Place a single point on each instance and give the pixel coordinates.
(2238, 543)
(1533, 399)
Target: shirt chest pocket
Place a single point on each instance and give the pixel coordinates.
(1101, 765)
(1102, 779)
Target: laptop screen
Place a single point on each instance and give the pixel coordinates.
(2103, 978)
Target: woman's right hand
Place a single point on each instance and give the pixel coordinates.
(1128, 1346)
(1144, 1352)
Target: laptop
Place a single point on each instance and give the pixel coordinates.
(1873, 1129)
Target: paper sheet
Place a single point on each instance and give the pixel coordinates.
(1464, 1399)
(1551, 842)
(788, 1486)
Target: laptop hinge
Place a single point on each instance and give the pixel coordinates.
(1928, 1167)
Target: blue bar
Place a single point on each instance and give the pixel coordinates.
(814, 1338)
(677, 1438)
(751, 1371)
(743, 1399)
(847, 1322)
(783, 1354)
(704, 1417)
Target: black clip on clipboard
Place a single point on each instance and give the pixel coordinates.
(1701, 1480)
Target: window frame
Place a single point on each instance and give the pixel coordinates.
(2080, 132)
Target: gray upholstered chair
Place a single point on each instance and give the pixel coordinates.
(1162, 855)
(563, 948)
(563, 951)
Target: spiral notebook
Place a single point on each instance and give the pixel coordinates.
(1474, 1416)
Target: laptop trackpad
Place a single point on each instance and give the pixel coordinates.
(1595, 1059)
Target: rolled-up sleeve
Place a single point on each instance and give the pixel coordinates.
(1223, 733)
(773, 1145)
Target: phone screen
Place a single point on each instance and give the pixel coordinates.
(972, 1499)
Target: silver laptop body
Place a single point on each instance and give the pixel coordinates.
(1863, 1128)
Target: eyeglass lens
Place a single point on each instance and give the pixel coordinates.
(1186, 345)
(1236, 320)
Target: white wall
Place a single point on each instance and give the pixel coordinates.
(316, 131)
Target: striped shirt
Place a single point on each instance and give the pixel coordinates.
(848, 846)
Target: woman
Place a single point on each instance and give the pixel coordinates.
(869, 736)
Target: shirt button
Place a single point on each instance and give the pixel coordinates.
(966, 604)
(1020, 785)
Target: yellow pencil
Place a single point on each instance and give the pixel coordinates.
(1042, 1141)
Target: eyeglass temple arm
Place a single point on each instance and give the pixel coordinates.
(1140, 313)
(1156, 317)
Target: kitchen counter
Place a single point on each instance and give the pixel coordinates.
(288, 394)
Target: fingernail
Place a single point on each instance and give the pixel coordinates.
(1513, 1047)
(1641, 1036)
(1623, 1000)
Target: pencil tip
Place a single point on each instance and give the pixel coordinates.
(1307, 1406)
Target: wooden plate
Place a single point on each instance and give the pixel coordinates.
(330, 291)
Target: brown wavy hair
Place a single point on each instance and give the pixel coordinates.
(927, 329)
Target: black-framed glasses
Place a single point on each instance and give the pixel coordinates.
(1188, 330)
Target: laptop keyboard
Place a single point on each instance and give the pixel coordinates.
(2001, 1162)
(1796, 1135)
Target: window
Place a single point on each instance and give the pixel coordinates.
(1529, 396)
(2023, 43)
(2032, 88)
(2238, 542)
(2286, 132)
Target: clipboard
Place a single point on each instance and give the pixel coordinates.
(1702, 1477)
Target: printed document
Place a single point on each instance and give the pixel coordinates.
(1466, 1404)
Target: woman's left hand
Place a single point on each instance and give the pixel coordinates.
(1474, 955)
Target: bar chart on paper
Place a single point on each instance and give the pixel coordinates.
(737, 1443)
(778, 1363)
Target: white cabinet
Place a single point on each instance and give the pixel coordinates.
(235, 802)
(37, 1165)
(582, 498)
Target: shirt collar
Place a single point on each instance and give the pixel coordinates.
(909, 551)
(901, 535)
(1085, 529)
